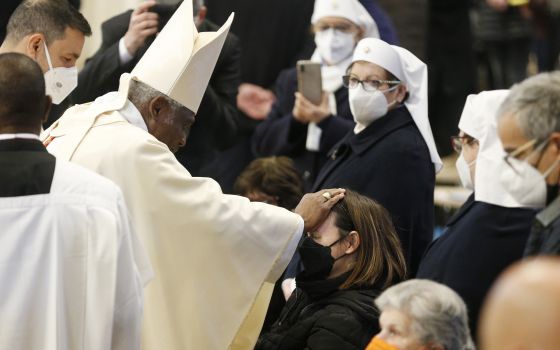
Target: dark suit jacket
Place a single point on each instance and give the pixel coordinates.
(390, 163)
(216, 121)
(480, 241)
(281, 134)
(273, 33)
(27, 168)
(545, 234)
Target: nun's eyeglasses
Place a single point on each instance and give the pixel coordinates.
(458, 141)
(345, 28)
(369, 85)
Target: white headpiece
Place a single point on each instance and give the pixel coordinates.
(180, 61)
(479, 120)
(413, 73)
(352, 10)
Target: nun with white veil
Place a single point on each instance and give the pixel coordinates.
(390, 155)
(298, 128)
(489, 232)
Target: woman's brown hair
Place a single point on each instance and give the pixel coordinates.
(380, 259)
(274, 176)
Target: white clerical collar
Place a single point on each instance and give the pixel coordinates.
(19, 136)
(129, 111)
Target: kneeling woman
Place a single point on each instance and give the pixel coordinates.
(348, 261)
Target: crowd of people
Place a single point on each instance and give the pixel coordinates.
(182, 190)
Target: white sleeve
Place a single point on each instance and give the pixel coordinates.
(288, 253)
(124, 55)
(133, 274)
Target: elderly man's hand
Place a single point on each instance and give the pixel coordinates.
(306, 112)
(315, 207)
(143, 24)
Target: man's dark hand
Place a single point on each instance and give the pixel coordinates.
(315, 207)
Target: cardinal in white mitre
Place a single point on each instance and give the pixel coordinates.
(211, 253)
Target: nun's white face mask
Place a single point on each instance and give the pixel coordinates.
(335, 39)
(369, 98)
(368, 106)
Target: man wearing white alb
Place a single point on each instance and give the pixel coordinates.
(72, 271)
(211, 252)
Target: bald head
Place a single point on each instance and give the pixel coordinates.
(522, 311)
(23, 104)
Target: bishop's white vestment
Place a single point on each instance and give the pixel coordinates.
(211, 252)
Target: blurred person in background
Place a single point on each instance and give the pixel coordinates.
(504, 34)
(385, 25)
(273, 180)
(489, 232)
(349, 260)
(451, 67)
(421, 315)
(523, 308)
(545, 15)
(299, 128)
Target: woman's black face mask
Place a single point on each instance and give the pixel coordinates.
(317, 259)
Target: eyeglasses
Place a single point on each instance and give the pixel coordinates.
(345, 28)
(524, 148)
(352, 82)
(457, 142)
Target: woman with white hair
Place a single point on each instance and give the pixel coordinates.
(390, 156)
(421, 315)
(298, 128)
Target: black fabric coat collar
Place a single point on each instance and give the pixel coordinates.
(462, 211)
(376, 131)
(27, 168)
(30, 145)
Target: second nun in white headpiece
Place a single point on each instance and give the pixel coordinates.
(490, 230)
(390, 155)
(303, 129)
